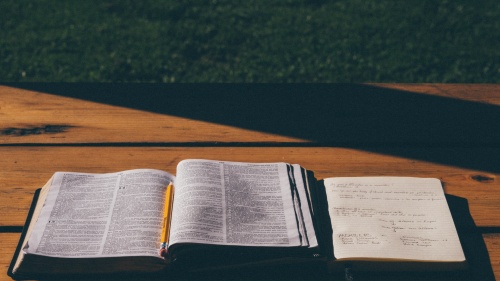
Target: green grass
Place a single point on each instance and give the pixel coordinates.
(250, 41)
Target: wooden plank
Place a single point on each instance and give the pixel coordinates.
(492, 241)
(483, 93)
(332, 113)
(36, 117)
(8, 243)
(25, 169)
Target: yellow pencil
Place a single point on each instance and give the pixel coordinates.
(167, 217)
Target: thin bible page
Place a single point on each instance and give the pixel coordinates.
(233, 203)
(101, 215)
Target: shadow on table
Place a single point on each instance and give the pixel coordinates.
(349, 115)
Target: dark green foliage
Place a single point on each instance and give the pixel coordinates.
(250, 41)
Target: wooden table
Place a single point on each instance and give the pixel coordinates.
(447, 131)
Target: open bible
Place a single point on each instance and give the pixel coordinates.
(250, 212)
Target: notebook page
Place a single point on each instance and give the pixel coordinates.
(391, 218)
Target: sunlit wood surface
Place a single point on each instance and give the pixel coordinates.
(46, 128)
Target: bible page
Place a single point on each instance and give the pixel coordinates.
(232, 203)
(101, 215)
(391, 218)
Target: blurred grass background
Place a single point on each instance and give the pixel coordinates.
(250, 41)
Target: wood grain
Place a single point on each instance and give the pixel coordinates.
(28, 168)
(8, 243)
(36, 117)
(493, 245)
(446, 114)
(483, 93)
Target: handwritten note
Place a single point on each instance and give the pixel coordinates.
(391, 218)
